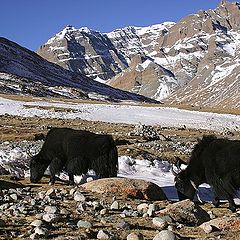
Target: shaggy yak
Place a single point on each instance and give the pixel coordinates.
(213, 161)
(75, 151)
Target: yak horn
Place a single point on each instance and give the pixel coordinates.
(174, 172)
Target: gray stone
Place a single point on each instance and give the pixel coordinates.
(51, 209)
(151, 209)
(160, 223)
(103, 234)
(14, 196)
(40, 231)
(103, 211)
(186, 212)
(84, 224)
(135, 236)
(79, 197)
(115, 205)
(143, 207)
(165, 235)
(50, 217)
(36, 223)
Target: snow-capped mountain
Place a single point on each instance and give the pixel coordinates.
(194, 61)
(85, 51)
(25, 72)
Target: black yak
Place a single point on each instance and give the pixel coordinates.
(213, 161)
(75, 151)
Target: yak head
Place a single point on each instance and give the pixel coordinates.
(37, 168)
(186, 189)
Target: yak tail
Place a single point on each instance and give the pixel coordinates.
(113, 159)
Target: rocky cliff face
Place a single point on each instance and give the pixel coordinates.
(24, 72)
(191, 61)
(84, 51)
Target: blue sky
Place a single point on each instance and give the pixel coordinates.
(30, 23)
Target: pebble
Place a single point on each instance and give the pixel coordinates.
(36, 223)
(123, 225)
(79, 197)
(115, 205)
(135, 236)
(50, 209)
(14, 196)
(151, 209)
(84, 224)
(40, 231)
(51, 192)
(166, 235)
(50, 217)
(103, 234)
(143, 207)
(103, 211)
(160, 222)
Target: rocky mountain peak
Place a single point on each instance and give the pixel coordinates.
(159, 60)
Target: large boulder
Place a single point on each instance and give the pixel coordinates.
(186, 212)
(231, 223)
(134, 188)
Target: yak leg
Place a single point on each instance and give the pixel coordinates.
(55, 167)
(71, 179)
(52, 179)
(216, 201)
(232, 205)
(52, 176)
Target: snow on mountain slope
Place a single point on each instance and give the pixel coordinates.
(24, 72)
(192, 51)
(84, 51)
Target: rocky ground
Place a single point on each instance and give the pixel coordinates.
(76, 212)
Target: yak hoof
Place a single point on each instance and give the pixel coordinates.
(216, 203)
(232, 208)
(71, 183)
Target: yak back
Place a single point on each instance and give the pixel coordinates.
(67, 143)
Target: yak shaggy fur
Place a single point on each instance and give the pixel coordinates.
(216, 162)
(75, 151)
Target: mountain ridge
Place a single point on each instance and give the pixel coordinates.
(25, 72)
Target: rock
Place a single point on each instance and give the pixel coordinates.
(14, 196)
(135, 236)
(160, 222)
(51, 209)
(40, 231)
(186, 212)
(123, 225)
(36, 223)
(50, 217)
(103, 234)
(84, 224)
(165, 235)
(79, 197)
(103, 211)
(143, 207)
(231, 223)
(151, 209)
(134, 188)
(51, 192)
(115, 205)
